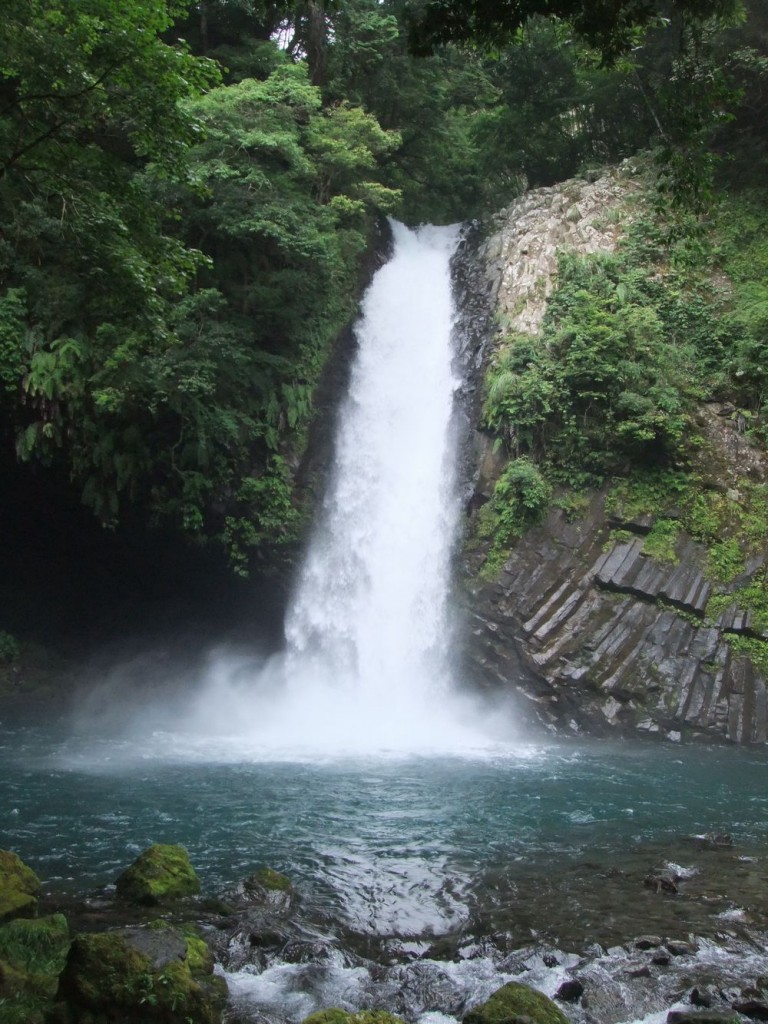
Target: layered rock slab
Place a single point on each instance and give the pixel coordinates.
(596, 636)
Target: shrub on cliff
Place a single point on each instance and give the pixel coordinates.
(609, 380)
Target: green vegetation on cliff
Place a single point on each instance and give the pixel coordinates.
(647, 378)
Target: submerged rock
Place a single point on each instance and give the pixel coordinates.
(757, 1009)
(19, 886)
(265, 888)
(713, 841)
(570, 990)
(679, 947)
(269, 879)
(515, 1003)
(159, 875)
(702, 1017)
(147, 974)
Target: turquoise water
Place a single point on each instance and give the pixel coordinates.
(546, 838)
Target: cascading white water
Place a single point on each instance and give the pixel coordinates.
(369, 651)
(371, 602)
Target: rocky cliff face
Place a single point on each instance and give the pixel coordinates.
(592, 633)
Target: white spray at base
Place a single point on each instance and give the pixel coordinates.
(369, 656)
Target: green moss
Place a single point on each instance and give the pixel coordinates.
(32, 955)
(160, 874)
(19, 886)
(336, 1016)
(514, 1004)
(199, 957)
(662, 539)
(725, 560)
(754, 649)
(272, 880)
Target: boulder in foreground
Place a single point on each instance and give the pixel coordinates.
(158, 974)
(19, 886)
(159, 875)
(516, 1004)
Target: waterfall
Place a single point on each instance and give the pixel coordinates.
(369, 631)
(369, 663)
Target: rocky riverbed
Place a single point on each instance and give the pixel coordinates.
(145, 948)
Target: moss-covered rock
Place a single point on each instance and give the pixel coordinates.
(337, 1016)
(270, 879)
(32, 955)
(156, 974)
(265, 888)
(19, 886)
(516, 1004)
(159, 875)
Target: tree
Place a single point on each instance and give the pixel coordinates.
(91, 111)
(609, 25)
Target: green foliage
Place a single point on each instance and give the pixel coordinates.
(32, 955)
(754, 649)
(574, 504)
(652, 491)
(174, 265)
(725, 560)
(613, 31)
(610, 379)
(742, 232)
(266, 516)
(38, 947)
(176, 254)
(520, 499)
(732, 527)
